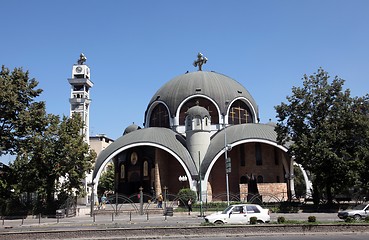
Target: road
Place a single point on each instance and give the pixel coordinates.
(128, 220)
(350, 236)
(180, 225)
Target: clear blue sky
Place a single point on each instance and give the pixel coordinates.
(134, 47)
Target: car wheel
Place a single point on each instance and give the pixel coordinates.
(357, 217)
(218, 222)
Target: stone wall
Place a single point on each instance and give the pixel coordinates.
(270, 192)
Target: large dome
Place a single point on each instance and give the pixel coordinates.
(216, 86)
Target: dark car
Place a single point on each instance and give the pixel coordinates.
(359, 212)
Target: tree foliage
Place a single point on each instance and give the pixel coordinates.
(51, 155)
(328, 132)
(185, 194)
(19, 113)
(55, 161)
(106, 181)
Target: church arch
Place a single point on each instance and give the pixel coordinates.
(239, 113)
(238, 171)
(240, 106)
(97, 172)
(159, 116)
(198, 100)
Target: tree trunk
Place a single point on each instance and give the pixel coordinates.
(50, 202)
(329, 193)
(316, 194)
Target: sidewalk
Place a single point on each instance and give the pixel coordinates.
(104, 219)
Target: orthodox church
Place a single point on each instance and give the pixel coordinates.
(201, 131)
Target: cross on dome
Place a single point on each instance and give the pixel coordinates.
(200, 61)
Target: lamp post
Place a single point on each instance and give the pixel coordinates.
(141, 200)
(200, 188)
(165, 197)
(92, 185)
(227, 148)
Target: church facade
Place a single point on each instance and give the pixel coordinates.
(201, 131)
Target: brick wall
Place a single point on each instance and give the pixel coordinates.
(270, 192)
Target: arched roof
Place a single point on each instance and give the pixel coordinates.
(216, 86)
(154, 136)
(239, 133)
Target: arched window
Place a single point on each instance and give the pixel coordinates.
(239, 113)
(203, 102)
(146, 169)
(159, 116)
(122, 171)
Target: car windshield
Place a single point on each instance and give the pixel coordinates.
(227, 209)
(359, 207)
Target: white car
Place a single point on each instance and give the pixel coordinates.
(239, 214)
(359, 212)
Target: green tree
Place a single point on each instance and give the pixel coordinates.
(318, 121)
(360, 142)
(186, 193)
(19, 113)
(299, 181)
(106, 181)
(5, 187)
(54, 161)
(52, 157)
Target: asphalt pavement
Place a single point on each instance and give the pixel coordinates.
(130, 225)
(133, 220)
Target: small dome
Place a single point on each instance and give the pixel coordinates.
(131, 128)
(198, 111)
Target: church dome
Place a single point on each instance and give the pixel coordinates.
(218, 87)
(131, 128)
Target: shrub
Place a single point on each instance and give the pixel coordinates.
(185, 194)
(281, 219)
(366, 219)
(253, 220)
(274, 209)
(311, 219)
(289, 207)
(349, 220)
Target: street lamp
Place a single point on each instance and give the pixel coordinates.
(165, 197)
(227, 147)
(92, 185)
(182, 179)
(141, 200)
(200, 188)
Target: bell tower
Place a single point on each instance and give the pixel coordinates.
(80, 93)
(80, 104)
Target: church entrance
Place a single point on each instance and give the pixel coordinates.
(134, 170)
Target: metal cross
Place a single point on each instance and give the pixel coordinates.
(82, 59)
(200, 61)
